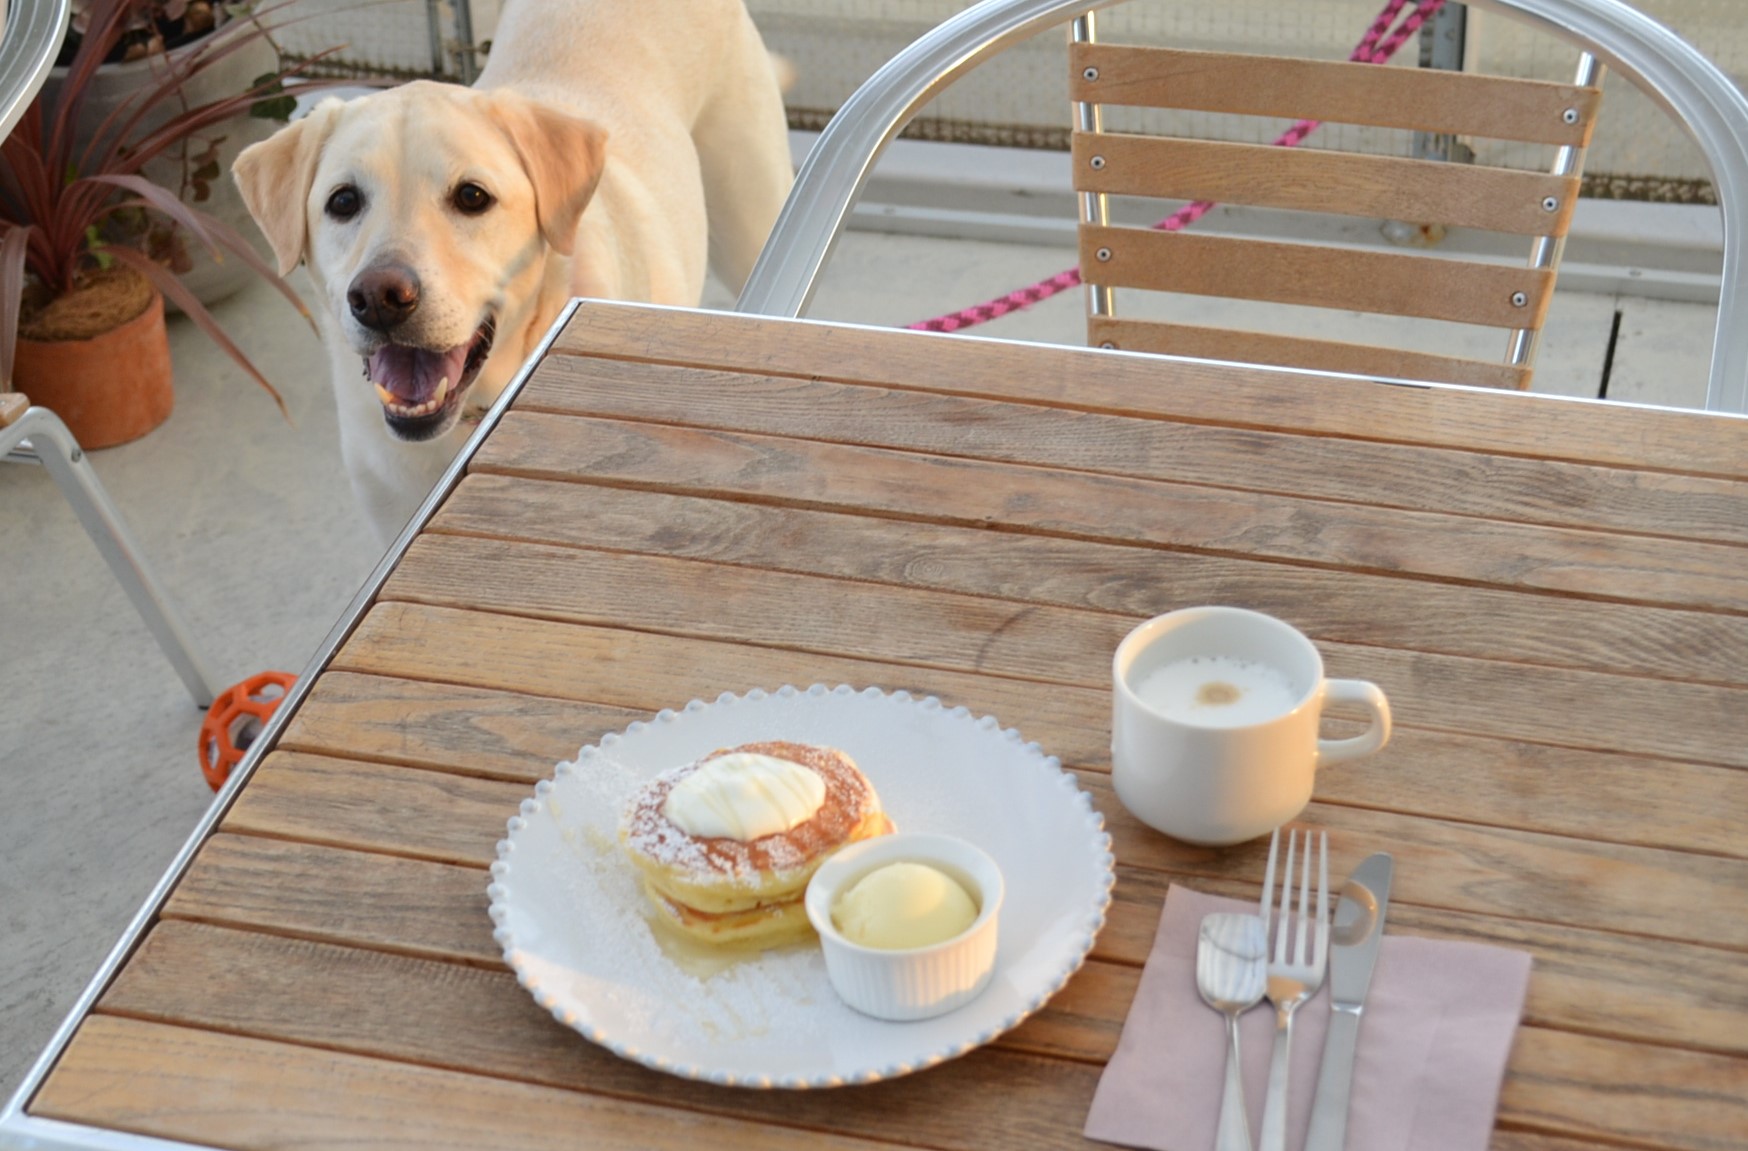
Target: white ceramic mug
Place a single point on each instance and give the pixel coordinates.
(1214, 723)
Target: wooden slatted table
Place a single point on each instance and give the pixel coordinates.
(1552, 593)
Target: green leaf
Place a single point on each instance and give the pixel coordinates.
(98, 249)
(274, 108)
(274, 104)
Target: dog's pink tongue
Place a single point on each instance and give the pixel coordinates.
(412, 374)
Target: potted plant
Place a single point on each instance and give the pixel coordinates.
(89, 246)
(155, 35)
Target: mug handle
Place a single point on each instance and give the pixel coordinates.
(1372, 698)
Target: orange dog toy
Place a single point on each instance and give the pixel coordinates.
(235, 719)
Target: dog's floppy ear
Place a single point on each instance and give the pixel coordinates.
(563, 155)
(275, 176)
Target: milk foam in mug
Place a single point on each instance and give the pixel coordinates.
(1216, 690)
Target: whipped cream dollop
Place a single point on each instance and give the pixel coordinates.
(744, 796)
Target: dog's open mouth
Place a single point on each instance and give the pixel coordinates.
(421, 390)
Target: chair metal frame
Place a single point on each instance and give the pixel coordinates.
(32, 37)
(1672, 72)
(27, 52)
(38, 436)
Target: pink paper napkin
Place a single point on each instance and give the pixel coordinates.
(1436, 1033)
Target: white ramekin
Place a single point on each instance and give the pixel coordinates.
(920, 982)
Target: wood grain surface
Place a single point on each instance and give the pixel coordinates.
(1308, 180)
(1387, 283)
(1209, 343)
(1074, 380)
(680, 504)
(1464, 103)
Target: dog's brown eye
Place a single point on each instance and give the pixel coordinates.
(344, 202)
(472, 199)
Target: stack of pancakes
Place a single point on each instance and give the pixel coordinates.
(720, 890)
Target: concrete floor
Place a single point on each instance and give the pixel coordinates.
(249, 521)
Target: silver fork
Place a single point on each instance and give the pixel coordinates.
(1293, 978)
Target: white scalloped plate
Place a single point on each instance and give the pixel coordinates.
(569, 912)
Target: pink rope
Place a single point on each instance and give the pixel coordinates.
(1374, 48)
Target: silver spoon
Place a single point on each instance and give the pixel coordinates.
(1232, 974)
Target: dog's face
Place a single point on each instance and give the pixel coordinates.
(426, 214)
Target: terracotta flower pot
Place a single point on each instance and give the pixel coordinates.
(109, 389)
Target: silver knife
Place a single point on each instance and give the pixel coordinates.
(1359, 928)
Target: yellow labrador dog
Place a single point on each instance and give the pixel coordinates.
(610, 148)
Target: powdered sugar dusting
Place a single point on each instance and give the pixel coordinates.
(785, 991)
(780, 861)
(655, 836)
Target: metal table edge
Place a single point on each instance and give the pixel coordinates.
(24, 1132)
(33, 1133)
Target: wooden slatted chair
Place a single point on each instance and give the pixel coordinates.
(1414, 283)
(1699, 97)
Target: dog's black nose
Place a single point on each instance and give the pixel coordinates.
(383, 296)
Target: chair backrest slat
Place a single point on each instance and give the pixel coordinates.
(1306, 180)
(1301, 352)
(1459, 103)
(1387, 283)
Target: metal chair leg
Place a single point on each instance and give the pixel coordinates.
(54, 447)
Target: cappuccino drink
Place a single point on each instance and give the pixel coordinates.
(1216, 691)
(1215, 723)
